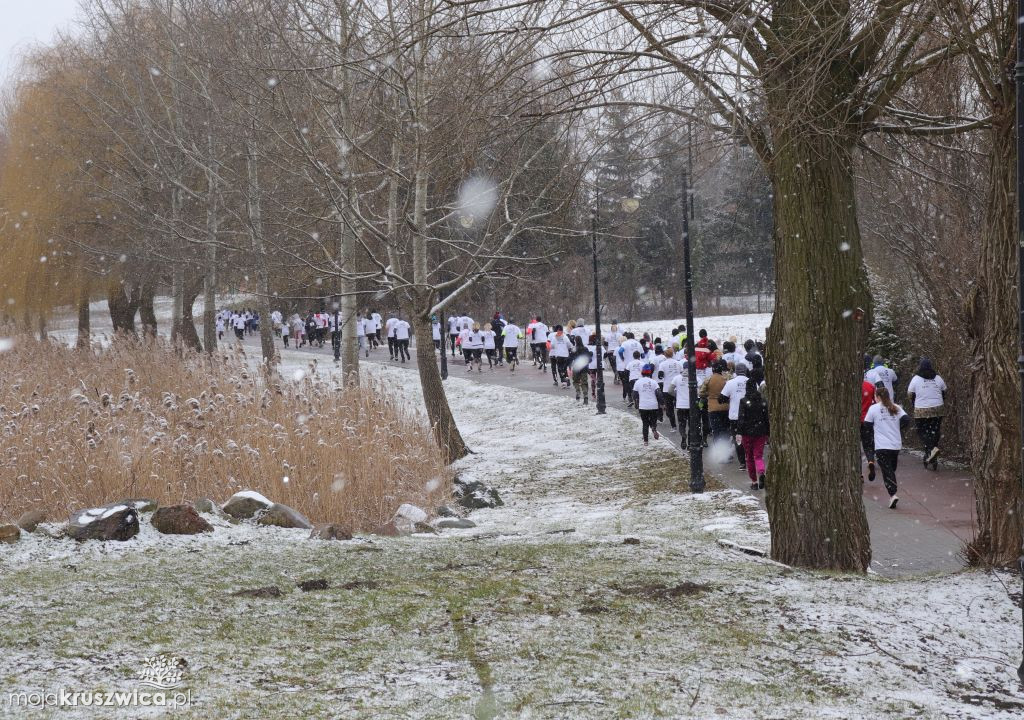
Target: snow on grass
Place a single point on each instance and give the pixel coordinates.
(598, 590)
(720, 327)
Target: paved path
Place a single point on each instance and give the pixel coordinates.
(924, 535)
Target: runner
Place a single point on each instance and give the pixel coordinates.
(667, 372)
(474, 345)
(435, 332)
(647, 397)
(867, 433)
(389, 326)
(560, 349)
(753, 426)
(633, 373)
(402, 329)
(887, 421)
(453, 331)
(334, 325)
(879, 373)
(734, 390)
(927, 392)
(512, 334)
(539, 343)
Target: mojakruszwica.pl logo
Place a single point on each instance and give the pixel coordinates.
(160, 676)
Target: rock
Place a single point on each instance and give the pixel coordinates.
(209, 507)
(411, 512)
(179, 520)
(9, 534)
(422, 527)
(141, 505)
(474, 495)
(31, 520)
(330, 531)
(271, 591)
(319, 584)
(245, 504)
(110, 522)
(631, 541)
(445, 511)
(455, 524)
(393, 529)
(283, 516)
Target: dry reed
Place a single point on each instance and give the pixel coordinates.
(80, 428)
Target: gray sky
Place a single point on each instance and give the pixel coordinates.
(25, 22)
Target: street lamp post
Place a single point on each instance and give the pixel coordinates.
(1019, 78)
(694, 442)
(599, 346)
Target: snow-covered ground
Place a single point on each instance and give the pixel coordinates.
(602, 588)
(599, 589)
(720, 327)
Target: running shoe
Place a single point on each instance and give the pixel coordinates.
(871, 470)
(892, 502)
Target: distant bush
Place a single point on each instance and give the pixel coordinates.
(84, 428)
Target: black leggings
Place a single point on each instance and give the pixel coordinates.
(512, 354)
(649, 418)
(683, 422)
(453, 338)
(867, 440)
(887, 461)
(624, 379)
(403, 349)
(930, 432)
(491, 359)
(560, 369)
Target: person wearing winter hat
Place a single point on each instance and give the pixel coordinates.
(753, 426)
(718, 410)
(927, 391)
(879, 373)
(647, 397)
(734, 391)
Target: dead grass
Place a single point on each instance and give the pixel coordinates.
(84, 428)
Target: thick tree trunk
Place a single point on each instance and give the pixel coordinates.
(123, 302)
(188, 337)
(992, 324)
(84, 331)
(442, 422)
(147, 316)
(177, 301)
(813, 361)
(210, 300)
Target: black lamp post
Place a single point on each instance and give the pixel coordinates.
(694, 443)
(1019, 77)
(599, 347)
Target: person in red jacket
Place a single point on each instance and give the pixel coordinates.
(867, 433)
(702, 352)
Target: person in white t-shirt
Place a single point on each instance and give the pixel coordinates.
(580, 330)
(389, 327)
(539, 343)
(647, 397)
(612, 340)
(666, 373)
(511, 335)
(927, 391)
(435, 332)
(887, 420)
(220, 327)
(239, 324)
(680, 387)
(453, 331)
(286, 330)
(734, 390)
(402, 329)
(473, 345)
(879, 373)
(377, 325)
(489, 346)
(561, 346)
(632, 374)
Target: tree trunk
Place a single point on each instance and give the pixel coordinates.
(814, 483)
(123, 303)
(188, 337)
(255, 210)
(84, 331)
(442, 422)
(210, 300)
(177, 301)
(146, 313)
(992, 325)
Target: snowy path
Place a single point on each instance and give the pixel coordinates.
(925, 535)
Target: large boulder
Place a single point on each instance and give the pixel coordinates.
(411, 513)
(245, 504)
(473, 494)
(31, 520)
(110, 522)
(330, 531)
(283, 516)
(9, 534)
(207, 506)
(179, 520)
(393, 529)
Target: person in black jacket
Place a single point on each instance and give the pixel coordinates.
(753, 426)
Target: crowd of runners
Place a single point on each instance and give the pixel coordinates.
(651, 373)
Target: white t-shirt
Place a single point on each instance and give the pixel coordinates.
(648, 391)
(436, 330)
(488, 339)
(376, 321)
(612, 338)
(560, 345)
(887, 427)
(581, 332)
(629, 346)
(334, 322)
(466, 322)
(540, 333)
(239, 322)
(464, 338)
(390, 326)
(511, 334)
(592, 365)
(669, 367)
(285, 330)
(735, 389)
(220, 324)
(633, 366)
(474, 340)
(884, 375)
(401, 330)
(453, 326)
(927, 393)
(681, 388)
